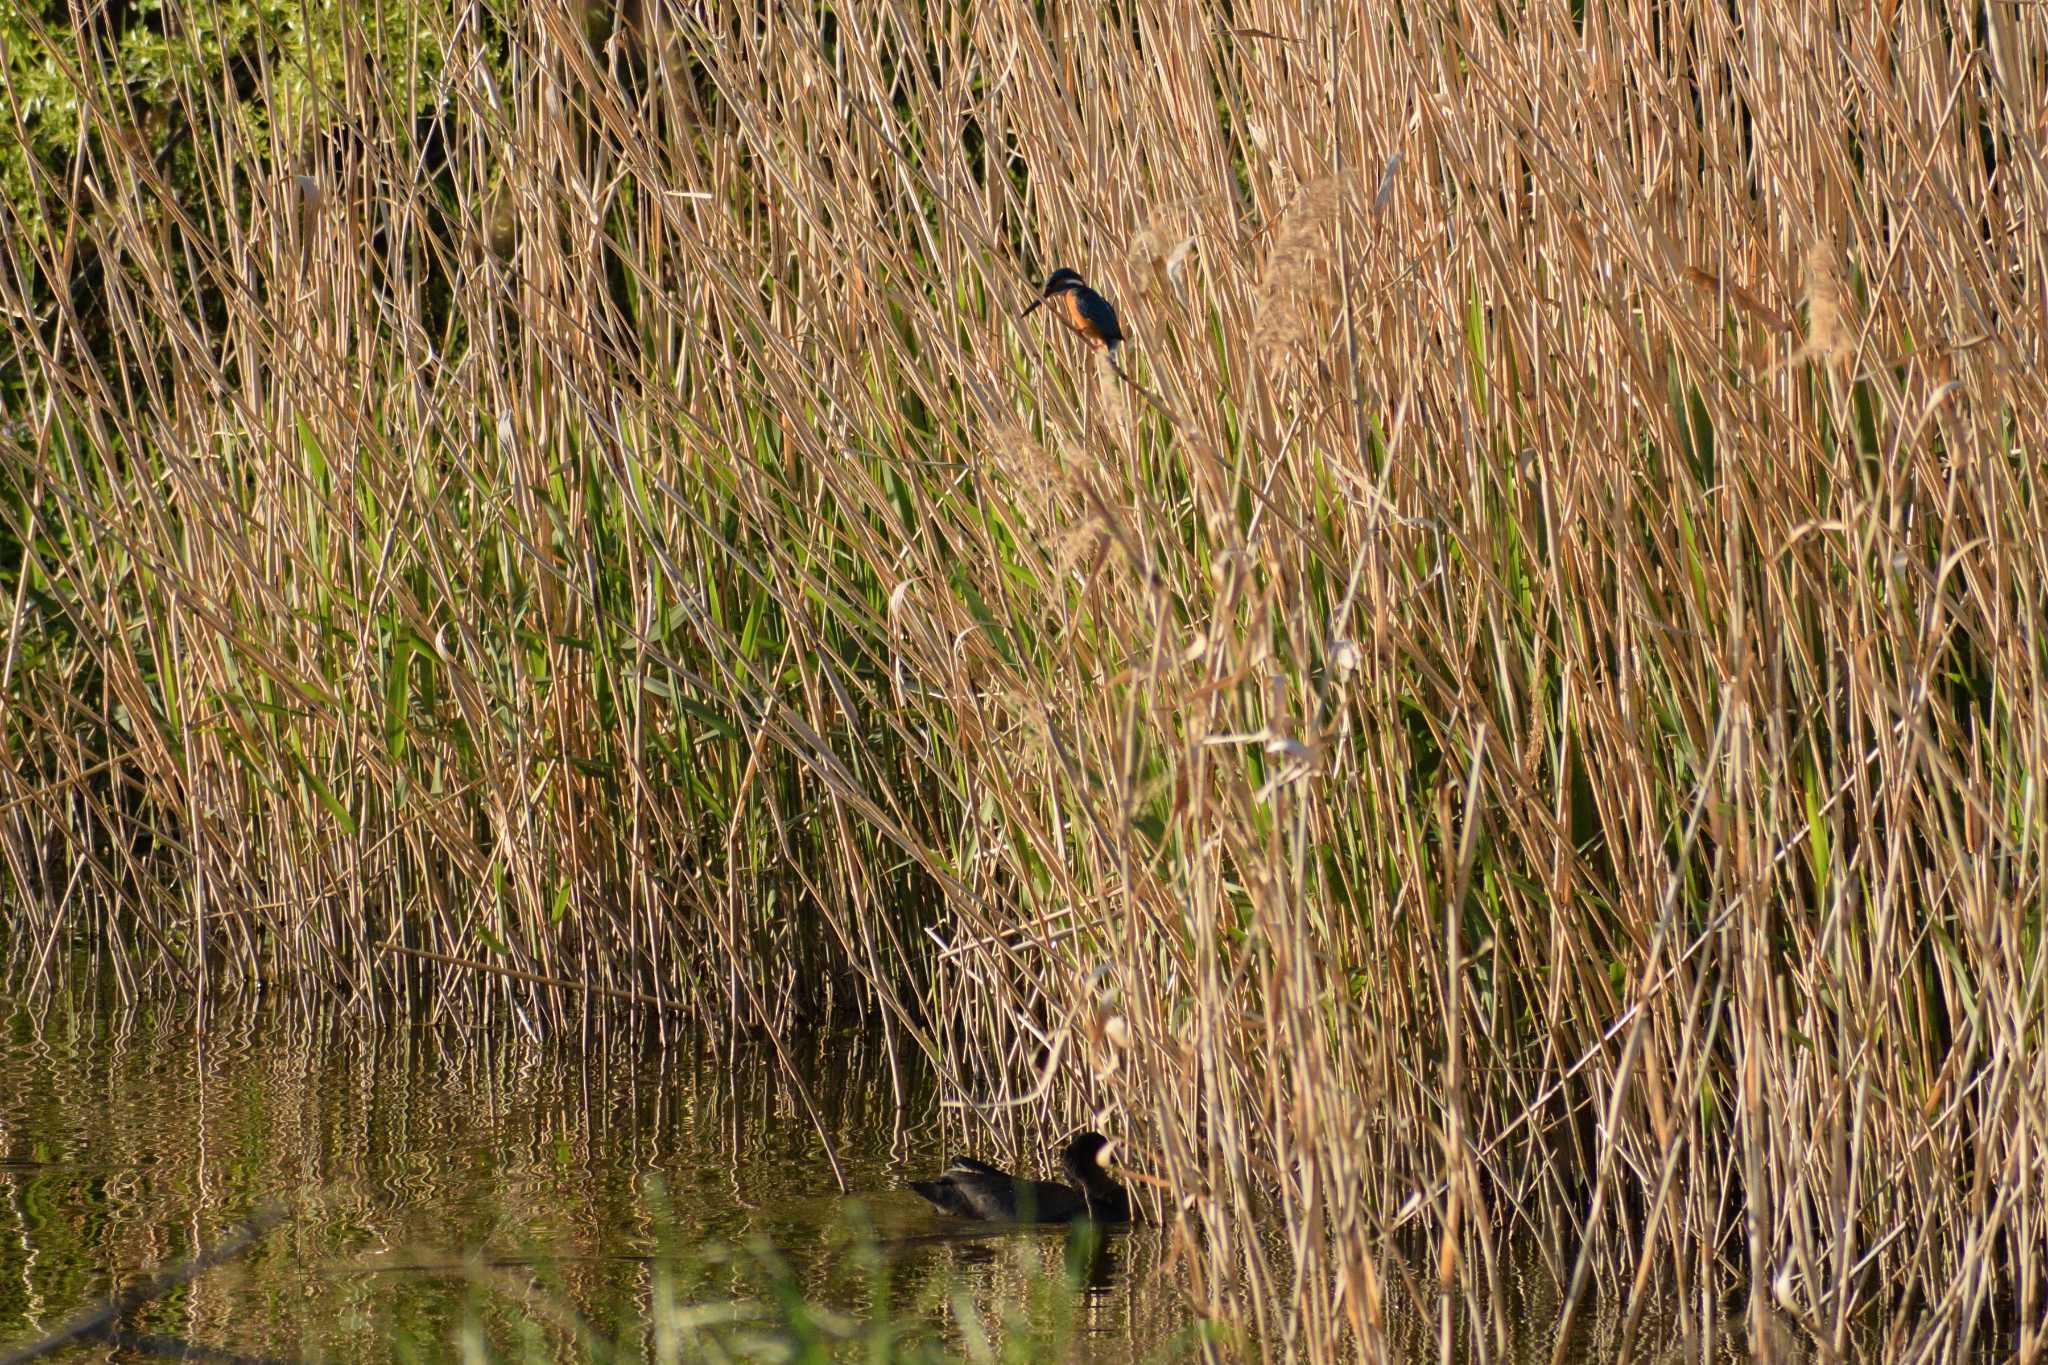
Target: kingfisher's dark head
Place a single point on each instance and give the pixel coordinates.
(1057, 283)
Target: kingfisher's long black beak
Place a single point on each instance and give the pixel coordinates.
(1033, 308)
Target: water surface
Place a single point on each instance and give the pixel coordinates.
(444, 1180)
(450, 1185)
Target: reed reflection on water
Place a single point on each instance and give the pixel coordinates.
(446, 1183)
(438, 1172)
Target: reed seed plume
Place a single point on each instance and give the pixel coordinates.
(1297, 275)
(507, 508)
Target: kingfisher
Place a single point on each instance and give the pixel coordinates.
(1082, 309)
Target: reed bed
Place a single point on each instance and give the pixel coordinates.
(1515, 720)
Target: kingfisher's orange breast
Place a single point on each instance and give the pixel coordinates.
(1070, 304)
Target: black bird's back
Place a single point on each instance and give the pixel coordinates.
(971, 1188)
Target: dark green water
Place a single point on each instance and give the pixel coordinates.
(450, 1187)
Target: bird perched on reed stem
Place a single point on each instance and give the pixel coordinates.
(1082, 309)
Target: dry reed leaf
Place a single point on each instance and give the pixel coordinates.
(1112, 395)
(309, 198)
(1711, 283)
(1829, 333)
(499, 221)
(1160, 251)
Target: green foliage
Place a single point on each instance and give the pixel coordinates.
(152, 70)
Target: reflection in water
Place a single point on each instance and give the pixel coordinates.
(453, 1181)
(443, 1173)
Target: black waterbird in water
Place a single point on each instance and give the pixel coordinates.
(1082, 309)
(974, 1189)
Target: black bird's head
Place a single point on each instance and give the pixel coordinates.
(1057, 283)
(1083, 1157)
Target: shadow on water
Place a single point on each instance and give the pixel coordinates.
(442, 1177)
